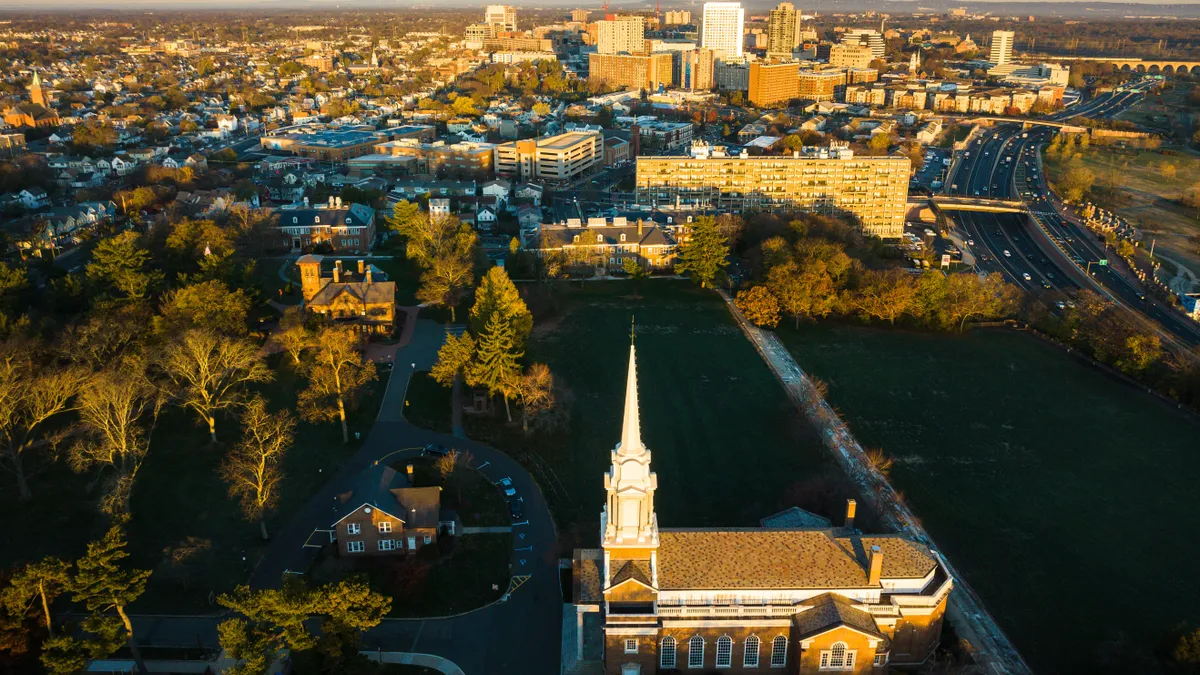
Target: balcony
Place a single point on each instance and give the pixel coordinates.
(725, 611)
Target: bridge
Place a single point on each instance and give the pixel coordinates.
(957, 203)
(1164, 67)
(1027, 123)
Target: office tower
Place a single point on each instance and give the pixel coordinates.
(850, 56)
(721, 30)
(624, 35)
(866, 36)
(783, 30)
(503, 17)
(1002, 44)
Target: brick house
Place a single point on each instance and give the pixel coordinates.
(344, 228)
(364, 297)
(607, 244)
(385, 515)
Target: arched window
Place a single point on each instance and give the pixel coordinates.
(837, 657)
(724, 651)
(779, 652)
(666, 652)
(750, 659)
(696, 652)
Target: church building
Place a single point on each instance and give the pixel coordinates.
(788, 599)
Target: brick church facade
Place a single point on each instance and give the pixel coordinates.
(746, 600)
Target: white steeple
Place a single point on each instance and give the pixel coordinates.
(629, 520)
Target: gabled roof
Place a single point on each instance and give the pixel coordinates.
(830, 611)
(631, 571)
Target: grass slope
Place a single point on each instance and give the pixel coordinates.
(1066, 498)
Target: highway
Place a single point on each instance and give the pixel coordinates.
(1051, 254)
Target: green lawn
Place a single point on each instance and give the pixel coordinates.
(1066, 498)
(727, 446)
(427, 403)
(184, 527)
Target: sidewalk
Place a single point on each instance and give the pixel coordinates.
(437, 663)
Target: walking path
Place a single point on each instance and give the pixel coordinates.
(437, 663)
(992, 649)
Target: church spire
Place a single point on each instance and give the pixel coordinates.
(631, 427)
(628, 519)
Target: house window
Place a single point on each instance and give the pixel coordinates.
(387, 545)
(630, 646)
(666, 653)
(837, 657)
(881, 659)
(750, 660)
(353, 528)
(428, 539)
(354, 547)
(779, 652)
(385, 527)
(696, 652)
(724, 651)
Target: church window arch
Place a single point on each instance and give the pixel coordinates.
(724, 651)
(696, 652)
(750, 657)
(666, 652)
(837, 657)
(779, 652)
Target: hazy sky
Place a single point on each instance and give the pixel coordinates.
(826, 6)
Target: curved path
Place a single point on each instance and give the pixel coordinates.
(517, 635)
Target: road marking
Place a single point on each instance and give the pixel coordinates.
(483, 465)
(527, 548)
(523, 522)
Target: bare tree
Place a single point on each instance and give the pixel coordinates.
(210, 372)
(536, 392)
(113, 410)
(252, 466)
(29, 397)
(337, 373)
(450, 465)
(294, 336)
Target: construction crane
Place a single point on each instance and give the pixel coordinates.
(604, 10)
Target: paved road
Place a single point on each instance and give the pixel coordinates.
(521, 635)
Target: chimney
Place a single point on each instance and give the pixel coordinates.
(361, 265)
(337, 272)
(851, 508)
(640, 228)
(875, 564)
(339, 202)
(306, 202)
(331, 201)
(368, 275)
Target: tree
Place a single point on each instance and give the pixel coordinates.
(879, 144)
(294, 335)
(209, 305)
(1076, 182)
(120, 262)
(496, 364)
(209, 373)
(541, 109)
(252, 466)
(454, 358)
(967, 296)
(405, 218)
(30, 397)
(102, 584)
(636, 273)
(112, 406)
(1186, 651)
(336, 376)
(1141, 351)
(498, 296)
(759, 306)
(884, 295)
(536, 393)
(802, 292)
(39, 582)
(706, 253)
(449, 272)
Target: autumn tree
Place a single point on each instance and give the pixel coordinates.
(337, 374)
(450, 271)
(883, 295)
(114, 432)
(31, 396)
(454, 358)
(496, 366)
(497, 296)
(210, 305)
(968, 297)
(294, 335)
(1076, 182)
(802, 292)
(120, 262)
(102, 583)
(535, 390)
(252, 466)
(209, 373)
(759, 306)
(705, 255)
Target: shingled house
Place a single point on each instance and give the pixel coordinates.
(608, 243)
(385, 515)
(360, 298)
(797, 596)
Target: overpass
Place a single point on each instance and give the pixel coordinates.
(1163, 67)
(1027, 123)
(987, 205)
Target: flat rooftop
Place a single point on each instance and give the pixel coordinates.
(564, 141)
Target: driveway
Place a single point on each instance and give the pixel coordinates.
(519, 635)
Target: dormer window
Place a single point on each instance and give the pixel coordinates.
(316, 219)
(295, 220)
(622, 236)
(348, 221)
(600, 238)
(576, 240)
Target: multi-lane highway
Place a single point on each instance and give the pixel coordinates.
(1050, 254)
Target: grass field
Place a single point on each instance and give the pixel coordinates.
(1066, 498)
(185, 528)
(1132, 183)
(727, 446)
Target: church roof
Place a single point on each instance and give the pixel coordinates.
(637, 570)
(586, 566)
(762, 559)
(830, 611)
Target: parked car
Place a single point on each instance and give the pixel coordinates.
(516, 508)
(506, 485)
(436, 450)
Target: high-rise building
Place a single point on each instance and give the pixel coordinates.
(556, 158)
(830, 181)
(784, 30)
(680, 18)
(503, 17)
(696, 70)
(773, 83)
(649, 71)
(580, 15)
(1002, 45)
(722, 27)
(624, 35)
(866, 36)
(731, 75)
(850, 56)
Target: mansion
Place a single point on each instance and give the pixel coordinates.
(783, 599)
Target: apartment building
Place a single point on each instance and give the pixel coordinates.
(871, 96)
(630, 71)
(784, 30)
(622, 35)
(866, 36)
(554, 158)
(695, 71)
(722, 27)
(773, 83)
(503, 17)
(827, 180)
(681, 18)
(731, 76)
(517, 43)
(820, 85)
(665, 135)
(850, 56)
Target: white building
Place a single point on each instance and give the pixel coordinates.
(722, 28)
(1002, 45)
(556, 158)
(502, 17)
(866, 36)
(623, 35)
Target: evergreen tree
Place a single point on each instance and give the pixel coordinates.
(101, 583)
(706, 253)
(496, 364)
(498, 296)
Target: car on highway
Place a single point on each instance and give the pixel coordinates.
(1046, 285)
(1007, 254)
(970, 242)
(1027, 277)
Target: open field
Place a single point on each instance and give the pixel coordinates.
(1133, 184)
(1065, 497)
(184, 525)
(728, 447)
